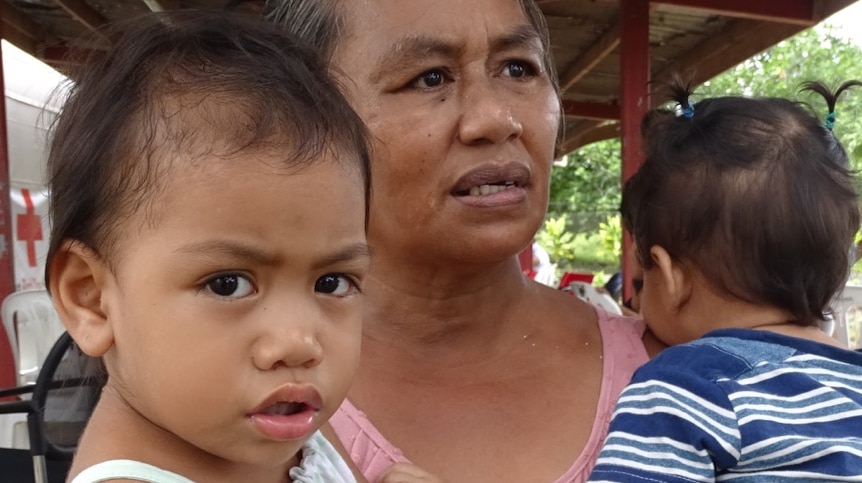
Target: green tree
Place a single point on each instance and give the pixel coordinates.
(585, 192)
(585, 185)
(814, 54)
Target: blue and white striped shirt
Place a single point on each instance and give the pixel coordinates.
(741, 406)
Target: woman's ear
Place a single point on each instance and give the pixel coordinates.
(78, 277)
(674, 277)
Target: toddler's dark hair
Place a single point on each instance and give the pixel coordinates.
(754, 193)
(201, 83)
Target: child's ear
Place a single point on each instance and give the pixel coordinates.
(78, 277)
(674, 277)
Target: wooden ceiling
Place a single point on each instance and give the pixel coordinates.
(697, 38)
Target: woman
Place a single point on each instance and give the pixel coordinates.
(468, 369)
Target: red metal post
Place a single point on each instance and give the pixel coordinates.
(7, 277)
(634, 97)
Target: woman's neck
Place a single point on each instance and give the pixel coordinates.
(429, 306)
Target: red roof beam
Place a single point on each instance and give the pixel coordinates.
(799, 12)
(592, 110)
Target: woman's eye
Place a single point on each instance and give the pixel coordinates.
(518, 69)
(230, 285)
(335, 284)
(431, 78)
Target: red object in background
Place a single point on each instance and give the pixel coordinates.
(7, 278)
(570, 277)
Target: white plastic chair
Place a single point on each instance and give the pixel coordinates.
(591, 294)
(547, 275)
(33, 326)
(847, 308)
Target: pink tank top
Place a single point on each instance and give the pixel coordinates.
(623, 351)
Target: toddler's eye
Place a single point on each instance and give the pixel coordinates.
(230, 285)
(335, 284)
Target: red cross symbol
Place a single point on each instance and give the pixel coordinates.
(29, 228)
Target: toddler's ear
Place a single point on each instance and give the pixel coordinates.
(78, 277)
(674, 277)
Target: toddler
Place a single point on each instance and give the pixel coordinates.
(743, 215)
(209, 187)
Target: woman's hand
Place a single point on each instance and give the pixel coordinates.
(407, 473)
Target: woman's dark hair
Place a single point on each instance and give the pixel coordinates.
(754, 193)
(320, 23)
(204, 83)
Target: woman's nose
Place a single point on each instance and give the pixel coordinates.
(486, 114)
(293, 341)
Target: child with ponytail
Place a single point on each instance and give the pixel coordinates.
(743, 215)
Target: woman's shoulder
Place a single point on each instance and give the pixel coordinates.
(620, 325)
(573, 311)
(621, 338)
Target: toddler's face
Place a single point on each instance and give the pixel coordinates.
(235, 306)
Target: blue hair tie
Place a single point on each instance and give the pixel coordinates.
(688, 110)
(830, 120)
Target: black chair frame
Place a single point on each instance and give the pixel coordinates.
(40, 446)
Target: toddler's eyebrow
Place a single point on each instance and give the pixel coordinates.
(356, 251)
(353, 252)
(227, 248)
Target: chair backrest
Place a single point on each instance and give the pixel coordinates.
(32, 326)
(847, 310)
(63, 398)
(66, 395)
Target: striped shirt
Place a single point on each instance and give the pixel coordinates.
(741, 406)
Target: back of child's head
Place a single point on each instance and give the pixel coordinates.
(199, 84)
(753, 193)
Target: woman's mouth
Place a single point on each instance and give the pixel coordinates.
(487, 189)
(492, 186)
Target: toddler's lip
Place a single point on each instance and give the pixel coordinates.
(290, 397)
(288, 413)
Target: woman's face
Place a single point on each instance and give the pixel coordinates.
(464, 118)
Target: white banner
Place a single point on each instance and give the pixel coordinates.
(30, 233)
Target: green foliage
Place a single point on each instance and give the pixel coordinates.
(581, 232)
(558, 241)
(596, 251)
(816, 54)
(586, 185)
(585, 196)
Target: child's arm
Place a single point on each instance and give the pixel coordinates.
(670, 425)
